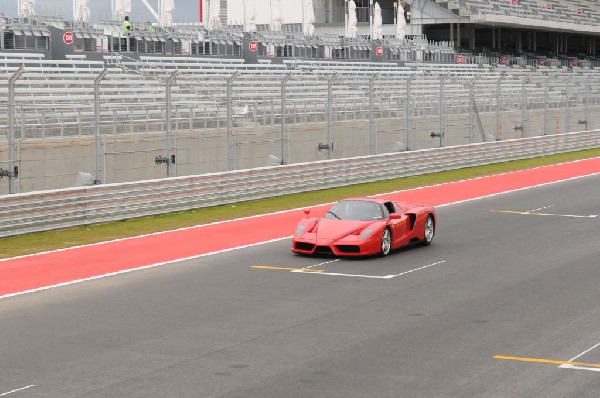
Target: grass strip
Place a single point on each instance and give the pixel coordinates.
(63, 238)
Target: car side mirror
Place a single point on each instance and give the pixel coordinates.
(395, 216)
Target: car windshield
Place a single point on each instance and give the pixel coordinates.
(357, 210)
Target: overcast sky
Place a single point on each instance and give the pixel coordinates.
(185, 10)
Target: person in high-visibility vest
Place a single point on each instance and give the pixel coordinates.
(126, 27)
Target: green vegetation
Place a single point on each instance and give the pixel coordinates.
(33, 243)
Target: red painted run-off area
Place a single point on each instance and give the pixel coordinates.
(48, 269)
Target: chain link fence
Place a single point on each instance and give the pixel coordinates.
(61, 128)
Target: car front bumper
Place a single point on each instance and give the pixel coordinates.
(340, 248)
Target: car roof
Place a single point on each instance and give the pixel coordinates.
(374, 200)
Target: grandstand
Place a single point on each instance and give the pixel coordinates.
(554, 28)
(290, 99)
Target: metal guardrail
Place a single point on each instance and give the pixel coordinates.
(48, 210)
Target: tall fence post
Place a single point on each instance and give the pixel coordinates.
(99, 178)
(442, 111)
(372, 149)
(546, 104)
(11, 128)
(498, 107)
(409, 144)
(170, 160)
(284, 157)
(524, 106)
(567, 104)
(587, 101)
(330, 115)
(471, 105)
(230, 121)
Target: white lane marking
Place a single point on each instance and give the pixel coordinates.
(371, 276)
(567, 366)
(329, 203)
(585, 352)
(542, 208)
(566, 215)
(139, 268)
(18, 389)
(532, 213)
(326, 262)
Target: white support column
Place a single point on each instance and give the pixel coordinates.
(152, 10)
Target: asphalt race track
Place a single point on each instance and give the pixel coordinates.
(504, 303)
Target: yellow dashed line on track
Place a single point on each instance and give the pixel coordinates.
(551, 361)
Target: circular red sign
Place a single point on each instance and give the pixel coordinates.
(379, 51)
(503, 60)
(460, 59)
(253, 46)
(68, 37)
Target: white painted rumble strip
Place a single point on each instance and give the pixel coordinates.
(566, 366)
(18, 389)
(370, 276)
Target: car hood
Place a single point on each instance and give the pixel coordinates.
(336, 229)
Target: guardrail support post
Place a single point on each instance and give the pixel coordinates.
(169, 84)
(11, 126)
(372, 149)
(99, 178)
(330, 115)
(230, 121)
(284, 157)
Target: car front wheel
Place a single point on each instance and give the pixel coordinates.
(429, 231)
(386, 242)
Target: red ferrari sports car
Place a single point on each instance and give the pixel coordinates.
(365, 226)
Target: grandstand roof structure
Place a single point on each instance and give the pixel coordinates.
(510, 32)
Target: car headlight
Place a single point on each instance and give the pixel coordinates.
(300, 230)
(365, 234)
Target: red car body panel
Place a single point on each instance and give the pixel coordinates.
(344, 237)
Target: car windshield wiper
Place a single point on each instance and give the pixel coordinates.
(335, 215)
